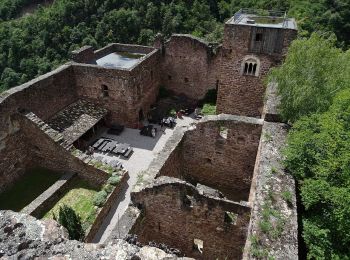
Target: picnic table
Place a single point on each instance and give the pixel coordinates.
(121, 148)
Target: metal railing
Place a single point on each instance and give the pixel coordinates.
(261, 13)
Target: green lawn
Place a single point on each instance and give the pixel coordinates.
(79, 196)
(27, 188)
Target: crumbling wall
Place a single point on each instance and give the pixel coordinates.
(241, 94)
(174, 213)
(221, 154)
(129, 91)
(189, 66)
(45, 96)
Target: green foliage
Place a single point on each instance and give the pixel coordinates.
(311, 75)
(108, 188)
(318, 155)
(209, 109)
(100, 198)
(114, 180)
(287, 196)
(33, 45)
(72, 222)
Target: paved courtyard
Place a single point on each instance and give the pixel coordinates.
(145, 150)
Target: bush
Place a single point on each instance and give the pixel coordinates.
(114, 180)
(72, 222)
(108, 188)
(100, 198)
(209, 109)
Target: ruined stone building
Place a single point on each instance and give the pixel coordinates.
(205, 192)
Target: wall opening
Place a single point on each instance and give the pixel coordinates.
(105, 90)
(251, 66)
(230, 218)
(198, 245)
(258, 37)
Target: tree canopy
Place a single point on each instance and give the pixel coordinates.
(313, 72)
(318, 155)
(35, 44)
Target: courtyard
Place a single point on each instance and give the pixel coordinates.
(145, 150)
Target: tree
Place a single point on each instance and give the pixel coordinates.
(72, 222)
(318, 155)
(313, 72)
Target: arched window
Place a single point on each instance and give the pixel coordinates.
(105, 91)
(251, 66)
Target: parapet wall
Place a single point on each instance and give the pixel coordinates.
(173, 212)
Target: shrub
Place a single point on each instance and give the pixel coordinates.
(100, 198)
(72, 222)
(114, 180)
(209, 109)
(108, 188)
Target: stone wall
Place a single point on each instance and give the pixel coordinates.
(173, 212)
(103, 212)
(189, 66)
(129, 91)
(243, 94)
(224, 162)
(51, 155)
(44, 95)
(42, 204)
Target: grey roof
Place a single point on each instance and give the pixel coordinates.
(76, 119)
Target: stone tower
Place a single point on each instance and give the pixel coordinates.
(253, 43)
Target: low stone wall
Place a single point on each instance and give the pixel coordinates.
(102, 212)
(48, 198)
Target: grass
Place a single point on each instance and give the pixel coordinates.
(27, 188)
(209, 109)
(79, 197)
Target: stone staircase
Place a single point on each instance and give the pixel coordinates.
(52, 133)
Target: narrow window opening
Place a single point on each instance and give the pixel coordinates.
(151, 74)
(230, 218)
(254, 69)
(258, 37)
(198, 245)
(246, 68)
(169, 77)
(186, 80)
(250, 69)
(223, 132)
(105, 92)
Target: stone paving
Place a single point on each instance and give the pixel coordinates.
(145, 150)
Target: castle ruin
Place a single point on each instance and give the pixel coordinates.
(204, 193)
